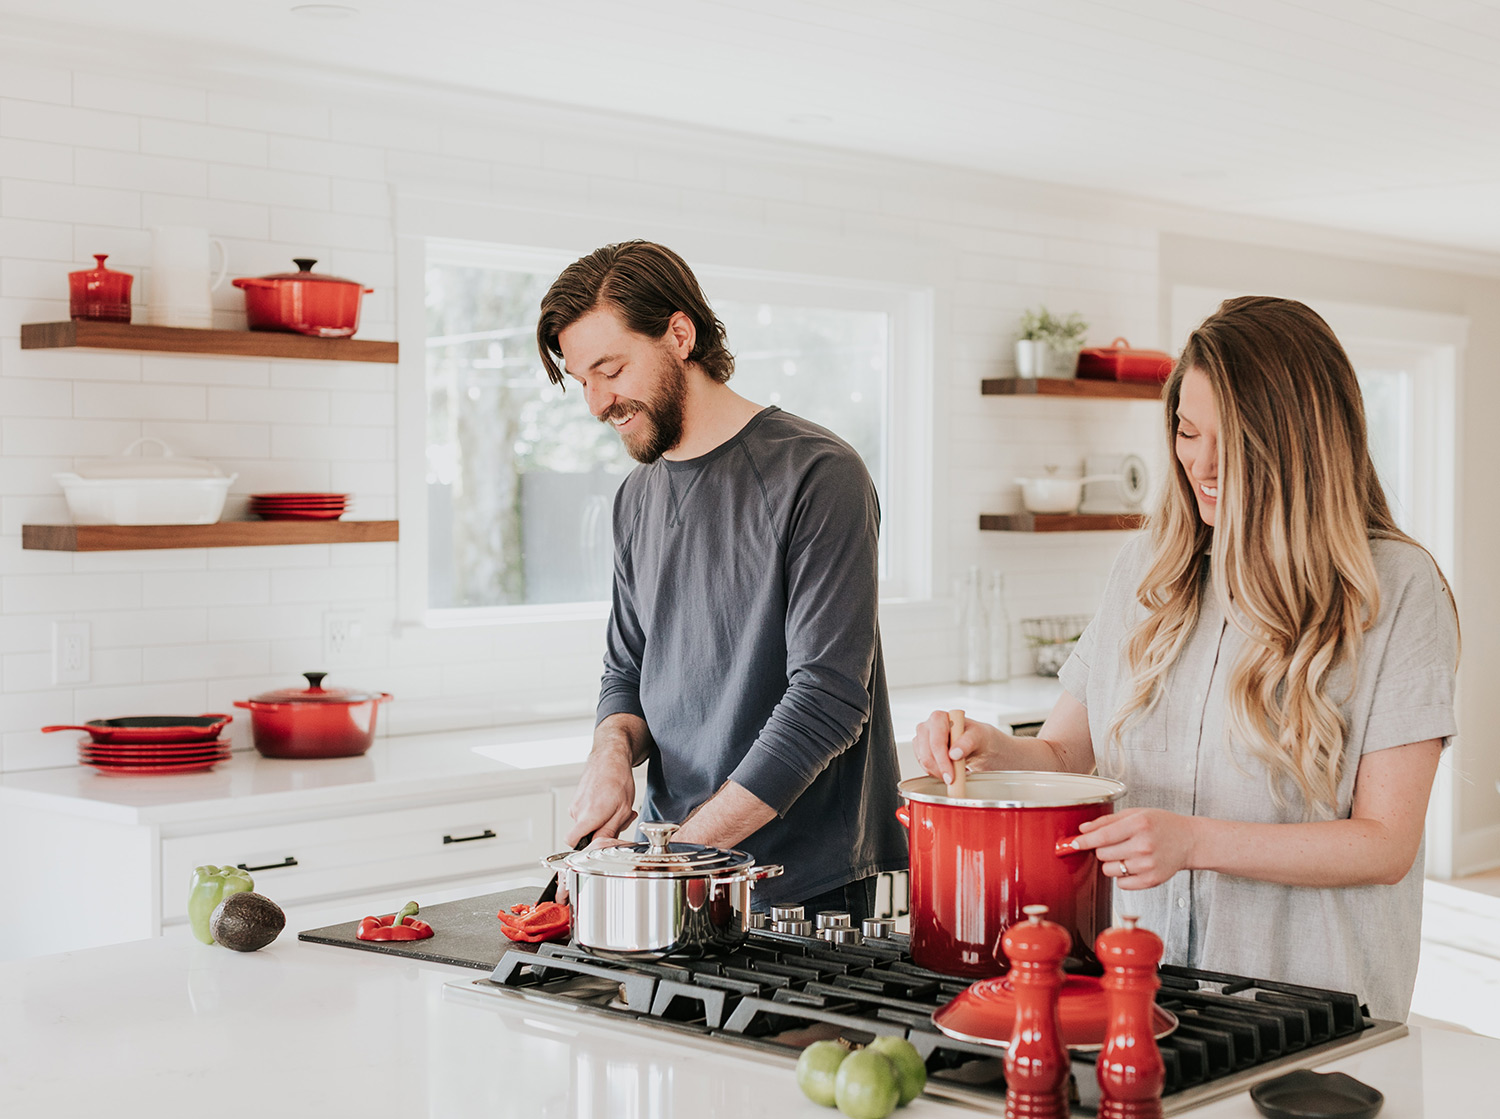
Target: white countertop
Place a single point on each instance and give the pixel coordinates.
(249, 785)
(171, 1027)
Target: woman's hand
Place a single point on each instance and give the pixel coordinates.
(1141, 847)
(939, 752)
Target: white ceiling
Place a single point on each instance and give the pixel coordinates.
(1372, 115)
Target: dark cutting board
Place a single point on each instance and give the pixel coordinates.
(465, 933)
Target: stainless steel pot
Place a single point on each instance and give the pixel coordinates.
(659, 898)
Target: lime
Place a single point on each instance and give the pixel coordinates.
(911, 1070)
(865, 1087)
(816, 1069)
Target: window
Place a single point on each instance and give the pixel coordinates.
(520, 478)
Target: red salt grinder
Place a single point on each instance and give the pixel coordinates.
(1130, 1069)
(1036, 1064)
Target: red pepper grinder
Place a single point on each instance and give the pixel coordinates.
(1036, 1064)
(100, 293)
(1130, 1069)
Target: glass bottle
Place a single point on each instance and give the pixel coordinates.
(974, 631)
(999, 623)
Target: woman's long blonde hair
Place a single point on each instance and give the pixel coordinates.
(1299, 502)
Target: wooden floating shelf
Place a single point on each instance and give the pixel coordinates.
(1057, 386)
(224, 534)
(84, 334)
(1060, 522)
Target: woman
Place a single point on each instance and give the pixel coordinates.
(1271, 675)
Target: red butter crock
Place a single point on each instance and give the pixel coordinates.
(314, 722)
(303, 302)
(976, 862)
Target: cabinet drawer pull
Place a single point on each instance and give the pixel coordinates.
(288, 861)
(486, 834)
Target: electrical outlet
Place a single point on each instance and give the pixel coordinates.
(70, 652)
(343, 633)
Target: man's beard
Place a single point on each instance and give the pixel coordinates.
(661, 415)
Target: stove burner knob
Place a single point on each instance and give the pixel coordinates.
(846, 936)
(877, 929)
(795, 928)
(833, 919)
(786, 913)
(756, 921)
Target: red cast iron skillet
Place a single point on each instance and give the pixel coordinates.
(152, 728)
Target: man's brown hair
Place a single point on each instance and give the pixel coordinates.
(647, 284)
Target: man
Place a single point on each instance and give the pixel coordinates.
(743, 660)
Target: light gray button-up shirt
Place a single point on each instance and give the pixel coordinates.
(1361, 939)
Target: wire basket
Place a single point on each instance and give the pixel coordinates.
(1052, 639)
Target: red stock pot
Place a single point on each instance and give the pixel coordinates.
(976, 862)
(313, 722)
(303, 302)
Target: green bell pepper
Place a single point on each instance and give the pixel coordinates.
(211, 885)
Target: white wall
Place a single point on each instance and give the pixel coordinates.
(92, 153)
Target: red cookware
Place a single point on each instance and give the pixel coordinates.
(100, 293)
(303, 302)
(313, 722)
(1118, 362)
(976, 861)
(152, 729)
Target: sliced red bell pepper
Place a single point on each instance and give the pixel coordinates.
(394, 926)
(535, 923)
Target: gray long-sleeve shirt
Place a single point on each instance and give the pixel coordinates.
(744, 632)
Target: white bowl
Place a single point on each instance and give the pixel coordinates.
(144, 501)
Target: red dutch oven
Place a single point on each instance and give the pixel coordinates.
(977, 861)
(303, 302)
(313, 722)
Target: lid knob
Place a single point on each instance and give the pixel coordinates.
(315, 681)
(303, 263)
(659, 834)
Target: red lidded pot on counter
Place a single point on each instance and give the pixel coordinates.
(313, 722)
(100, 294)
(978, 860)
(303, 302)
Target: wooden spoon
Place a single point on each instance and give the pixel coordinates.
(956, 786)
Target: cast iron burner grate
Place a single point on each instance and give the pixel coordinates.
(779, 993)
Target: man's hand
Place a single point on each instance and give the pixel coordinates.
(605, 801)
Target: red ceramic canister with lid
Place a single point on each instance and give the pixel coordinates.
(977, 861)
(100, 294)
(303, 302)
(314, 722)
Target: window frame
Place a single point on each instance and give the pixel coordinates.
(908, 443)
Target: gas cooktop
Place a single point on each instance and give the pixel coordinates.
(779, 993)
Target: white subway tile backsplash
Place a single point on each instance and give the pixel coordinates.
(221, 218)
(199, 661)
(30, 711)
(66, 437)
(204, 588)
(36, 83)
(262, 186)
(146, 99)
(354, 196)
(64, 124)
(57, 594)
(25, 633)
(188, 370)
(314, 157)
(244, 623)
(336, 444)
(33, 159)
(21, 397)
(140, 402)
(260, 114)
(314, 228)
(39, 240)
(212, 440)
(354, 376)
(134, 171)
(241, 405)
(136, 629)
(22, 198)
(139, 699)
(209, 142)
(271, 556)
(362, 409)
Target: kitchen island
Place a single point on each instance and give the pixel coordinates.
(171, 1027)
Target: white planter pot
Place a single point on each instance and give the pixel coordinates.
(1033, 359)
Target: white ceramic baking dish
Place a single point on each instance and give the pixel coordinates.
(146, 490)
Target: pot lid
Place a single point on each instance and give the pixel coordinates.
(1017, 788)
(315, 693)
(164, 465)
(305, 272)
(986, 1013)
(657, 857)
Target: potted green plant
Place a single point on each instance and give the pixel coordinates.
(1047, 346)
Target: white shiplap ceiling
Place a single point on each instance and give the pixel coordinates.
(1381, 117)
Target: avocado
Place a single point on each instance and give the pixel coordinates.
(246, 921)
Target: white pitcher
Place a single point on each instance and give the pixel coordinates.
(180, 292)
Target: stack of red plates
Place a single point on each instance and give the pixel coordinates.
(137, 759)
(299, 506)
